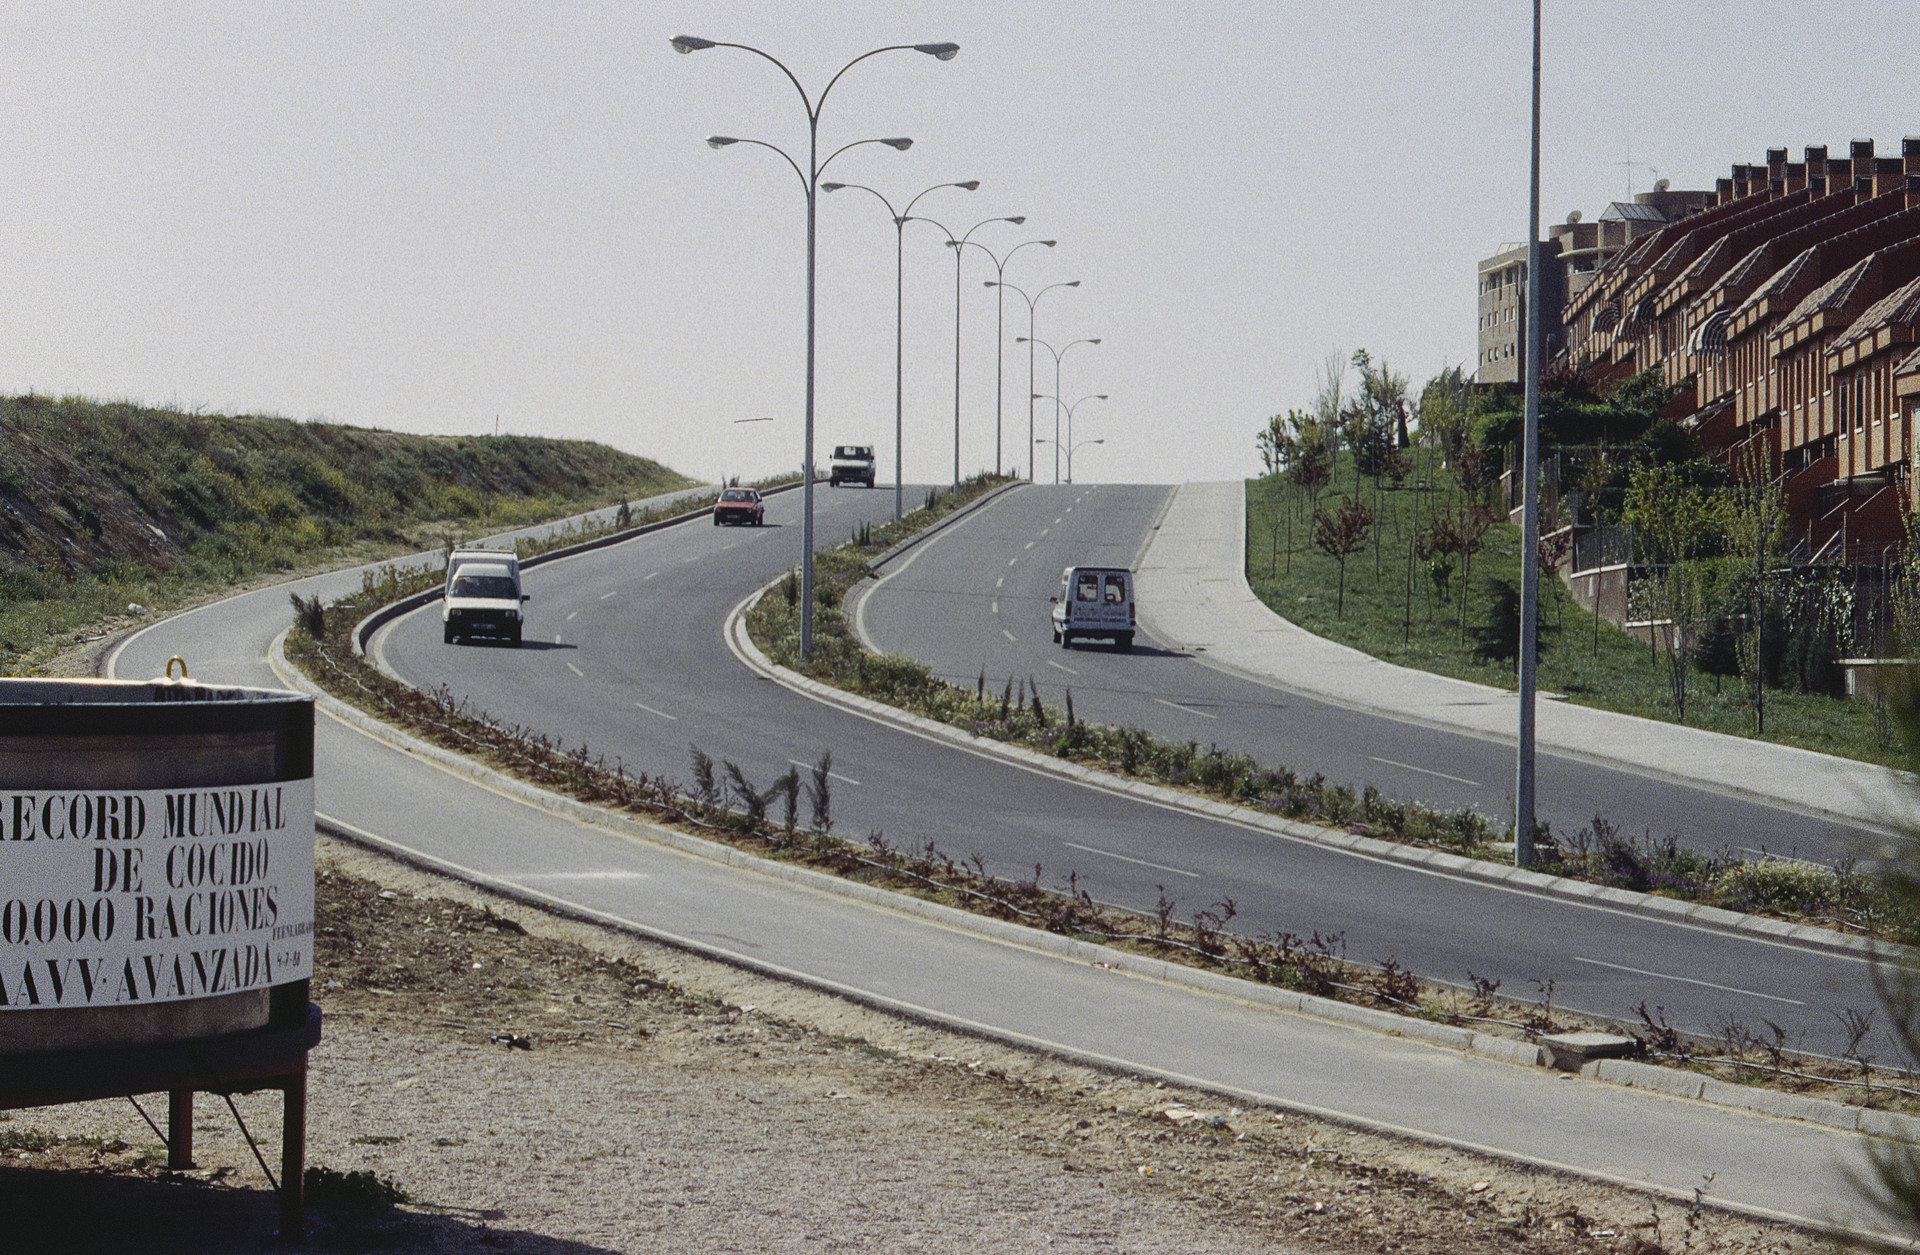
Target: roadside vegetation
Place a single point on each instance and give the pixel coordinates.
(111, 512)
(1404, 550)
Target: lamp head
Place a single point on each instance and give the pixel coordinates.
(1017, 220)
(1095, 340)
(1099, 396)
(690, 43)
(831, 187)
(1074, 284)
(939, 52)
(898, 143)
(720, 141)
(1021, 340)
(1049, 243)
(972, 185)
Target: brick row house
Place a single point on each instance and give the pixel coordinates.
(1786, 306)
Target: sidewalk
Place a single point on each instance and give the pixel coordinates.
(1194, 597)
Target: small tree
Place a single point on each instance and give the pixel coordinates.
(1755, 519)
(1341, 533)
(1679, 523)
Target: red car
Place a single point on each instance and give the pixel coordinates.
(739, 505)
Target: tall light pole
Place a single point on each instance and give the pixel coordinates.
(899, 250)
(1032, 302)
(810, 181)
(958, 244)
(1523, 811)
(1091, 396)
(1070, 448)
(1057, 355)
(1000, 333)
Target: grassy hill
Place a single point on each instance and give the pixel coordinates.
(103, 505)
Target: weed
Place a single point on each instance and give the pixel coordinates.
(361, 1192)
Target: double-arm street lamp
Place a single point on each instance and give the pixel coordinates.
(1032, 302)
(1091, 396)
(900, 220)
(1070, 448)
(1000, 333)
(1057, 355)
(958, 243)
(809, 182)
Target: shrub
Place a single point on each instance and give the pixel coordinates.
(1777, 884)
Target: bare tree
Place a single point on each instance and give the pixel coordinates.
(1341, 533)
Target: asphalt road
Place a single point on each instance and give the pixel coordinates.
(624, 654)
(974, 602)
(920, 967)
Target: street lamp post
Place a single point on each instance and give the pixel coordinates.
(899, 249)
(1070, 450)
(958, 244)
(1057, 355)
(1091, 396)
(1000, 334)
(1032, 302)
(810, 180)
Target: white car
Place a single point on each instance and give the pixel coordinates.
(1094, 601)
(482, 597)
(852, 464)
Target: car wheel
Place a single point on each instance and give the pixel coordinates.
(513, 638)
(1066, 641)
(1124, 642)
(448, 635)
(716, 520)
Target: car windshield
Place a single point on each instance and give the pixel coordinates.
(1087, 588)
(468, 585)
(1116, 588)
(737, 494)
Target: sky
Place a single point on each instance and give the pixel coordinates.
(447, 217)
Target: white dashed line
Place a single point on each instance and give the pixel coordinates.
(649, 577)
(573, 616)
(577, 671)
(583, 876)
(1032, 543)
(1688, 980)
(616, 592)
(1011, 561)
(1062, 666)
(1428, 772)
(1045, 530)
(1009, 635)
(1002, 580)
(663, 714)
(727, 547)
(1190, 710)
(834, 774)
(996, 605)
(1159, 867)
(1056, 522)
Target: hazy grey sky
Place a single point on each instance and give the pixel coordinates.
(422, 215)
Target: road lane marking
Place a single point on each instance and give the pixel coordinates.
(1190, 710)
(724, 548)
(577, 671)
(556, 638)
(1007, 634)
(1045, 530)
(1032, 543)
(1056, 522)
(688, 561)
(585, 876)
(1428, 772)
(573, 616)
(836, 775)
(996, 605)
(1002, 580)
(1067, 669)
(1011, 561)
(1688, 980)
(649, 577)
(663, 714)
(1159, 867)
(616, 592)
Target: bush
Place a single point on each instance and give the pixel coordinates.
(1776, 884)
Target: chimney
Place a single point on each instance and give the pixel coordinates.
(1795, 176)
(1816, 161)
(1910, 153)
(1861, 150)
(1722, 191)
(1913, 191)
(1889, 175)
(1776, 163)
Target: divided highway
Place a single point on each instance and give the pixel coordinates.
(656, 640)
(624, 653)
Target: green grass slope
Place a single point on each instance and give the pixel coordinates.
(103, 505)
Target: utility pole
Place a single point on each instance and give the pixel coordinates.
(1523, 810)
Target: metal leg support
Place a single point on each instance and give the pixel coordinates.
(180, 1129)
(293, 1155)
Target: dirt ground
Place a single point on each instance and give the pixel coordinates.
(535, 1085)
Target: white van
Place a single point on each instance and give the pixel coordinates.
(852, 464)
(482, 596)
(1094, 601)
